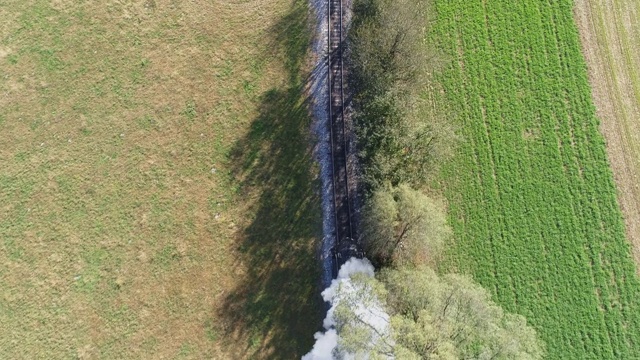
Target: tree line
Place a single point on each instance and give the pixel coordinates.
(401, 140)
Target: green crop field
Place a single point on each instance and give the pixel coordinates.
(531, 195)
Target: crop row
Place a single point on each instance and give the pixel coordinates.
(531, 194)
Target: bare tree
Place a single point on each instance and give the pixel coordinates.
(361, 319)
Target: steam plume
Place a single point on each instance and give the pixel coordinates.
(363, 304)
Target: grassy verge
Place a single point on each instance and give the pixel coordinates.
(156, 189)
(532, 200)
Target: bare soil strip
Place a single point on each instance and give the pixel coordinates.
(610, 34)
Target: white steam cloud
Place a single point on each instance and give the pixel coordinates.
(363, 304)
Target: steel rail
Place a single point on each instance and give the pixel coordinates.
(341, 196)
(329, 87)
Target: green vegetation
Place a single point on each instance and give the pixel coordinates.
(450, 317)
(360, 318)
(156, 187)
(431, 317)
(390, 63)
(402, 226)
(531, 197)
(401, 144)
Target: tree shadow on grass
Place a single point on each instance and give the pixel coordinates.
(277, 306)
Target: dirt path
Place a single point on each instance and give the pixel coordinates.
(610, 34)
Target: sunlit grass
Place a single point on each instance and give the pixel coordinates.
(125, 213)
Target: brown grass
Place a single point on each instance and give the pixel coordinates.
(156, 191)
(610, 33)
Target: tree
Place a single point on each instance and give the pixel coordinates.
(417, 314)
(401, 134)
(402, 226)
(450, 317)
(361, 320)
(387, 46)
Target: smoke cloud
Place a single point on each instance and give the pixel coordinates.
(363, 304)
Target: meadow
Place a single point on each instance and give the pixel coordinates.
(156, 185)
(531, 195)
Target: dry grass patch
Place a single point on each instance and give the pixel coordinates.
(134, 180)
(610, 34)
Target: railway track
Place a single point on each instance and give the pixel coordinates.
(346, 245)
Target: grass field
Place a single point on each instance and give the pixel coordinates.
(156, 189)
(610, 34)
(531, 195)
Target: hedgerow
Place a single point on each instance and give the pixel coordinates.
(399, 138)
